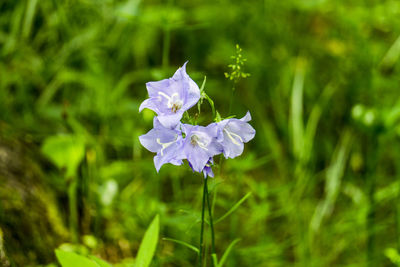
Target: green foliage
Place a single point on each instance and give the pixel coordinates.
(237, 67)
(149, 244)
(71, 259)
(143, 259)
(227, 251)
(65, 151)
(233, 208)
(99, 262)
(323, 169)
(183, 243)
(393, 255)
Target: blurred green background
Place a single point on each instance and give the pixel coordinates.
(324, 94)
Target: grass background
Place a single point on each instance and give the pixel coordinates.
(323, 169)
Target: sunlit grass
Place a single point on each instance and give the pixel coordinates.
(323, 170)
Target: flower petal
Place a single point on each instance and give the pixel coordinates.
(207, 171)
(246, 117)
(198, 158)
(150, 104)
(170, 120)
(193, 95)
(154, 87)
(161, 160)
(232, 150)
(242, 129)
(149, 141)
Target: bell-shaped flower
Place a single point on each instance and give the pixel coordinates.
(207, 170)
(236, 132)
(165, 142)
(200, 144)
(170, 98)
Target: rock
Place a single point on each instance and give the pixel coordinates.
(29, 217)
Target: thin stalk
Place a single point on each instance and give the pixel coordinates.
(166, 46)
(398, 215)
(372, 155)
(202, 224)
(210, 218)
(221, 158)
(398, 206)
(371, 222)
(73, 211)
(231, 100)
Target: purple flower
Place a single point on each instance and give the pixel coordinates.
(235, 133)
(207, 170)
(170, 98)
(200, 144)
(165, 142)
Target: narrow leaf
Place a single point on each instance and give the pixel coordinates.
(100, 262)
(227, 251)
(183, 243)
(149, 244)
(203, 84)
(214, 259)
(71, 259)
(65, 151)
(233, 208)
(296, 119)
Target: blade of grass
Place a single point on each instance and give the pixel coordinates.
(30, 12)
(392, 55)
(296, 120)
(183, 243)
(214, 259)
(227, 251)
(243, 199)
(313, 120)
(148, 244)
(334, 176)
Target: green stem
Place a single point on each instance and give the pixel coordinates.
(231, 100)
(372, 155)
(202, 225)
(398, 205)
(166, 47)
(398, 217)
(371, 222)
(211, 102)
(210, 217)
(73, 211)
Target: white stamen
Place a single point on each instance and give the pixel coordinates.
(234, 135)
(174, 102)
(196, 140)
(165, 145)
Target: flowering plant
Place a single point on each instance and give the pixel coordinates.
(174, 141)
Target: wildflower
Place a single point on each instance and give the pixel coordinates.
(170, 98)
(163, 141)
(207, 170)
(235, 133)
(200, 144)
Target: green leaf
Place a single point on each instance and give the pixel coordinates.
(183, 243)
(296, 115)
(393, 255)
(214, 259)
(217, 117)
(227, 251)
(243, 199)
(203, 84)
(100, 262)
(65, 151)
(149, 244)
(71, 259)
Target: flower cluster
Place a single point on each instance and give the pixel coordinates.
(174, 141)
